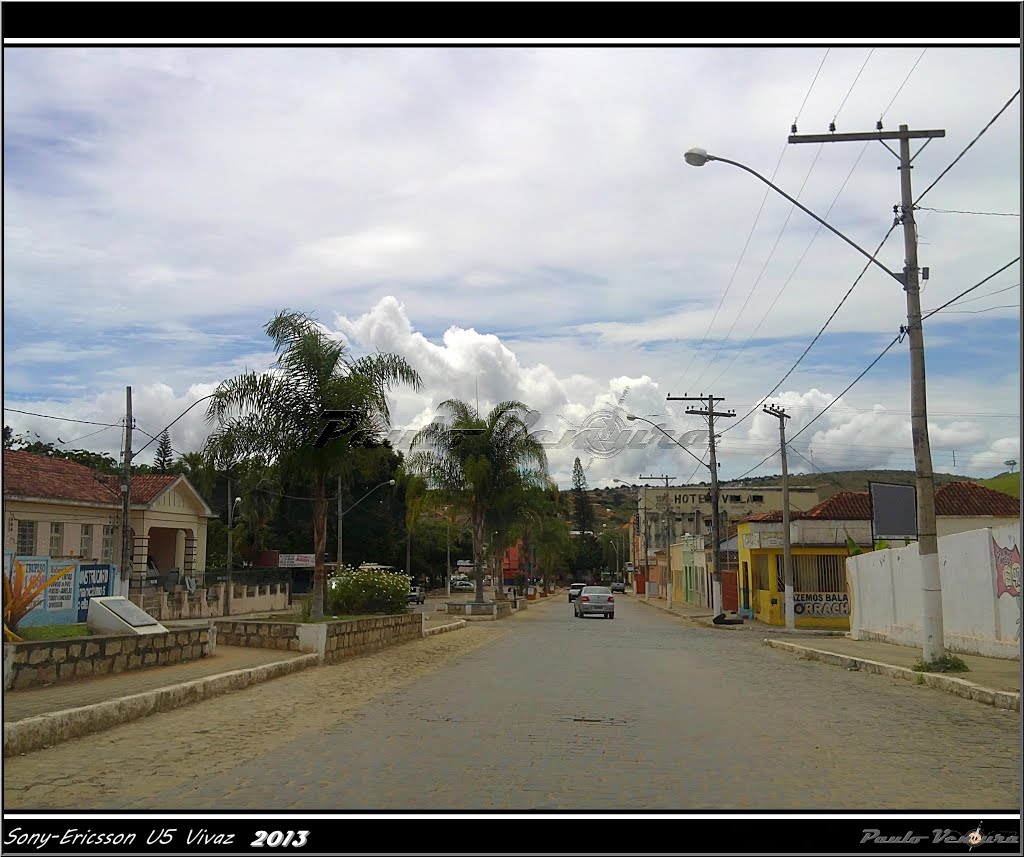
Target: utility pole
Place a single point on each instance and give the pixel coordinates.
(787, 547)
(668, 537)
(716, 524)
(927, 538)
(340, 516)
(230, 558)
(126, 497)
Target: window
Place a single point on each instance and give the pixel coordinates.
(56, 538)
(107, 554)
(85, 549)
(26, 538)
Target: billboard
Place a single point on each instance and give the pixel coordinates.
(893, 511)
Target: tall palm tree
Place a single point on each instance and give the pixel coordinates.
(416, 495)
(478, 461)
(278, 415)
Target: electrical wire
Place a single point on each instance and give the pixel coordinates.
(84, 436)
(977, 311)
(898, 91)
(968, 146)
(991, 294)
(811, 87)
(960, 211)
(852, 85)
(816, 337)
(62, 419)
(971, 289)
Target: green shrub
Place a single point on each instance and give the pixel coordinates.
(368, 591)
(945, 664)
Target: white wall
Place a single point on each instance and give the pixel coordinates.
(886, 589)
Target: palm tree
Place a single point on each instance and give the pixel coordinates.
(278, 415)
(260, 488)
(414, 491)
(477, 462)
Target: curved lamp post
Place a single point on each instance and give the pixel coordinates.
(341, 515)
(931, 582)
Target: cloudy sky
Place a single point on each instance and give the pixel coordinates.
(519, 223)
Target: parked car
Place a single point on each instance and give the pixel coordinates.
(417, 595)
(618, 586)
(595, 600)
(575, 589)
(463, 586)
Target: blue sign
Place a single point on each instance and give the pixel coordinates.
(93, 581)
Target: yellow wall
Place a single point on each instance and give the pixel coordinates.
(761, 601)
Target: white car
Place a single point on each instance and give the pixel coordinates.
(463, 586)
(595, 600)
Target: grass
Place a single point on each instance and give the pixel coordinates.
(1007, 483)
(53, 632)
(945, 664)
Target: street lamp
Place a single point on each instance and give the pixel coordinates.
(342, 514)
(933, 638)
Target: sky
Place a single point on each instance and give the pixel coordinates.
(519, 223)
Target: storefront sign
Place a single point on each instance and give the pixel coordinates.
(821, 604)
(296, 560)
(60, 595)
(93, 581)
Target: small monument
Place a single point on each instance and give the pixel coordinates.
(117, 615)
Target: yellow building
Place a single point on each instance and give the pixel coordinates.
(819, 548)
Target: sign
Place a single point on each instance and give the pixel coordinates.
(93, 581)
(60, 595)
(465, 563)
(773, 540)
(821, 604)
(296, 560)
(33, 567)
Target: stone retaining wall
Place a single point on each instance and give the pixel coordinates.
(46, 662)
(259, 635)
(359, 636)
(333, 641)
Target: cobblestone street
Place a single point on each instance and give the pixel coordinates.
(544, 711)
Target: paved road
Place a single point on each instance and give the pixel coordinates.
(542, 711)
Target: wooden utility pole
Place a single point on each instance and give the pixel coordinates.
(716, 524)
(126, 497)
(787, 547)
(933, 642)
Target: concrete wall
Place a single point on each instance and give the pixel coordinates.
(981, 601)
(204, 604)
(46, 662)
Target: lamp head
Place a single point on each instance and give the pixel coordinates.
(238, 500)
(391, 482)
(631, 417)
(696, 156)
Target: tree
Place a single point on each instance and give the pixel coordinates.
(415, 496)
(278, 415)
(9, 437)
(164, 454)
(582, 510)
(477, 461)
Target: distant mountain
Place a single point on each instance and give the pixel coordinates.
(1008, 483)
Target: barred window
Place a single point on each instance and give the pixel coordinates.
(107, 554)
(27, 538)
(85, 546)
(56, 539)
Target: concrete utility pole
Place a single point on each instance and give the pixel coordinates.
(927, 538)
(230, 558)
(716, 524)
(340, 516)
(787, 547)
(668, 537)
(126, 498)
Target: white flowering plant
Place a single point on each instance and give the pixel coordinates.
(361, 591)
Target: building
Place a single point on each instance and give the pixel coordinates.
(664, 515)
(62, 509)
(818, 539)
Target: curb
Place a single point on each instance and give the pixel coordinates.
(967, 690)
(705, 621)
(35, 733)
(443, 629)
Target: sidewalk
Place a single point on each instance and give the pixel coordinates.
(993, 681)
(704, 616)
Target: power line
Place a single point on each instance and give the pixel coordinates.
(817, 335)
(792, 274)
(84, 436)
(991, 294)
(898, 91)
(753, 226)
(960, 211)
(977, 311)
(971, 289)
(852, 85)
(968, 146)
(62, 419)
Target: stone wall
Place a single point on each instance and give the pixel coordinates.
(45, 662)
(359, 636)
(259, 635)
(333, 641)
